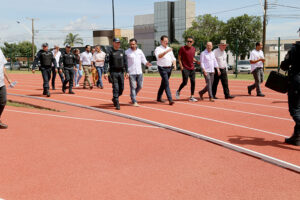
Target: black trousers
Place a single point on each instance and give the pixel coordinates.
(61, 75)
(224, 81)
(294, 103)
(165, 73)
(2, 99)
(46, 73)
(117, 84)
(186, 74)
(69, 78)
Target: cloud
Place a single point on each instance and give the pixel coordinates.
(80, 24)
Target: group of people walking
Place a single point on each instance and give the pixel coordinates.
(117, 64)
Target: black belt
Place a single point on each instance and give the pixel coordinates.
(165, 66)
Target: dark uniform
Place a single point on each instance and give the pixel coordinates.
(291, 64)
(67, 62)
(46, 59)
(117, 61)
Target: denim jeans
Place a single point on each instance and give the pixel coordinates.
(136, 84)
(61, 75)
(165, 73)
(209, 79)
(78, 74)
(100, 71)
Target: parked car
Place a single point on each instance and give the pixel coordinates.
(7, 65)
(16, 66)
(153, 68)
(243, 66)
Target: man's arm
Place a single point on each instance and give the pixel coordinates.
(164, 53)
(36, 61)
(286, 63)
(6, 75)
(125, 64)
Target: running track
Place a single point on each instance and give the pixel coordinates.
(84, 154)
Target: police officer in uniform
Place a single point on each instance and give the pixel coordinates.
(291, 64)
(117, 60)
(67, 62)
(46, 59)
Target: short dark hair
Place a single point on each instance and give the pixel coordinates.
(86, 46)
(257, 44)
(190, 37)
(163, 37)
(133, 40)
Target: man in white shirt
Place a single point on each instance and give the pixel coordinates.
(208, 64)
(86, 63)
(166, 61)
(98, 60)
(135, 58)
(257, 60)
(3, 75)
(54, 70)
(221, 57)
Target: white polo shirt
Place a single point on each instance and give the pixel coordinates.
(3, 61)
(99, 56)
(256, 55)
(208, 61)
(56, 56)
(135, 60)
(166, 60)
(221, 57)
(86, 58)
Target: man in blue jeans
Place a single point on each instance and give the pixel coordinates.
(135, 58)
(165, 61)
(98, 61)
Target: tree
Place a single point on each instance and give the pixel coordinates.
(73, 39)
(205, 28)
(23, 49)
(246, 30)
(124, 43)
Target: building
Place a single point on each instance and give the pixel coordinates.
(144, 32)
(105, 37)
(170, 18)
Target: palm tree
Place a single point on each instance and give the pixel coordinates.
(73, 39)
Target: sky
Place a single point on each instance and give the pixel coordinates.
(56, 18)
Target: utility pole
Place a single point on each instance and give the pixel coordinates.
(113, 13)
(265, 25)
(32, 24)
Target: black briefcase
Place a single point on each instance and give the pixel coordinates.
(278, 82)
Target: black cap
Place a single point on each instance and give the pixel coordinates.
(45, 44)
(68, 46)
(116, 40)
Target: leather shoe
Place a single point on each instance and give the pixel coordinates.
(249, 90)
(171, 103)
(260, 95)
(214, 97)
(201, 96)
(293, 141)
(229, 97)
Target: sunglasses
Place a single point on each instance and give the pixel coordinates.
(189, 41)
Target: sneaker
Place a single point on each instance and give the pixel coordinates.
(193, 99)
(135, 104)
(3, 126)
(177, 95)
(64, 89)
(77, 85)
(48, 93)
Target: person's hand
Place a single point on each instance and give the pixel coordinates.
(148, 64)
(56, 70)
(204, 72)
(105, 76)
(262, 60)
(219, 72)
(75, 69)
(60, 71)
(33, 71)
(126, 75)
(175, 67)
(181, 68)
(198, 62)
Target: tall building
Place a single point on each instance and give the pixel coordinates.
(173, 18)
(170, 18)
(144, 32)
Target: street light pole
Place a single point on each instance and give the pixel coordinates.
(113, 13)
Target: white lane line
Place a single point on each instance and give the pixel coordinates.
(78, 118)
(194, 116)
(234, 101)
(270, 159)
